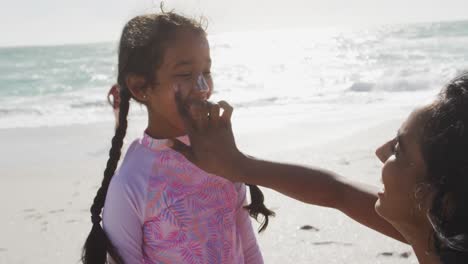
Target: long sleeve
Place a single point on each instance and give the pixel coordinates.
(252, 254)
(123, 222)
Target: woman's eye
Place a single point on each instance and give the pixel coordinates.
(207, 73)
(395, 150)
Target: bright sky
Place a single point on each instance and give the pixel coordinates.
(42, 22)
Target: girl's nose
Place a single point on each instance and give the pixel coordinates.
(201, 84)
(202, 88)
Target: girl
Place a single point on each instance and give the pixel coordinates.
(159, 208)
(424, 173)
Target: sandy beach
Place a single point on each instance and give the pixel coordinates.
(50, 175)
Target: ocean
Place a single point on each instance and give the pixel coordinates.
(391, 66)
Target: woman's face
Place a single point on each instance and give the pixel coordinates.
(403, 172)
(186, 62)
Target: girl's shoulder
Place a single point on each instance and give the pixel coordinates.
(166, 166)
(161, 171)
(128, 186)
(135, 165)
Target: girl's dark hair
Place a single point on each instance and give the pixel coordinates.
(257, 207)
(141, 50)
(445, 151)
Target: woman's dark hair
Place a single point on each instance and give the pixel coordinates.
(141, 50)
(445, 151)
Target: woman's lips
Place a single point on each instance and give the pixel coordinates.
(381, 193)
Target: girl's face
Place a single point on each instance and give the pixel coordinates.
(186, 64)
(403, 173)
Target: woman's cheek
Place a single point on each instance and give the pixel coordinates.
(389, 170)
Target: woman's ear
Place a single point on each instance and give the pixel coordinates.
(423, 195)
(137, 86)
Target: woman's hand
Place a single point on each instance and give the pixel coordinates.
(212, 144)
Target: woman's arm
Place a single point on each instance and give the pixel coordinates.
(318, 187)
(213, 149)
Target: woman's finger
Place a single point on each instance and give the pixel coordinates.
(199, 112)
(227, 111)
(214, 114)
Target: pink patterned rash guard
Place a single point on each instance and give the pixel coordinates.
(160, 208)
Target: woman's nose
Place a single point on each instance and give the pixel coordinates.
(385, 151)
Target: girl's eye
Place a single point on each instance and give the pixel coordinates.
(208, 73)
(184, 75)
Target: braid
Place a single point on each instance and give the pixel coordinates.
(114, 154)
(257, 206)
(98, 244)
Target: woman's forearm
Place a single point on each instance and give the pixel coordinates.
(309, 185)
(318, 187)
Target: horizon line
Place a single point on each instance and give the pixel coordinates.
(84, 43)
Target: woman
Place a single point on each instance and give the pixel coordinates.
(425, 174)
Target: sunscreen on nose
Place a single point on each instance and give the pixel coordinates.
(202, 85)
